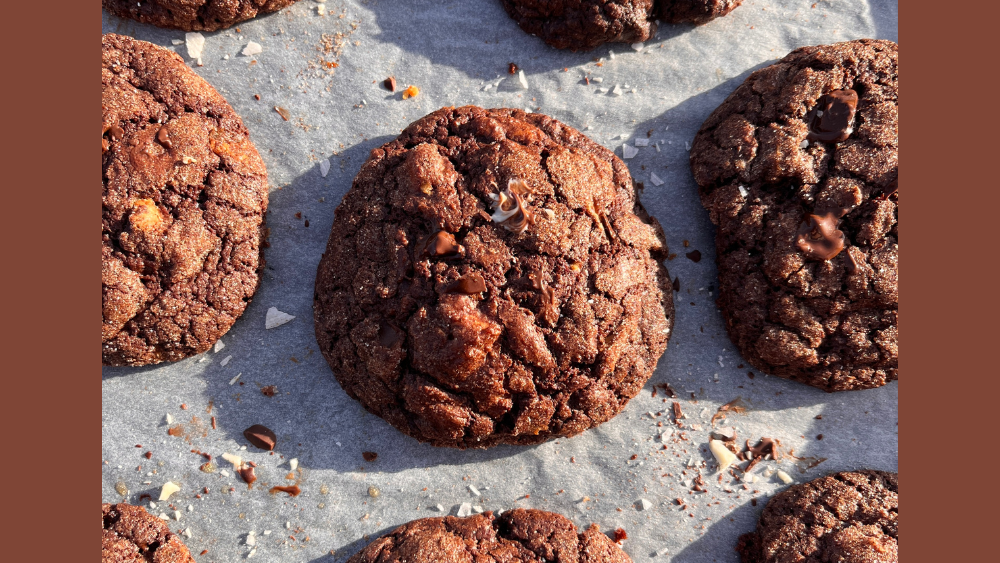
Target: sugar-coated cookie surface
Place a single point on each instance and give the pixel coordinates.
(490, 278)
(193, 15)
(798, 169)
(132, 535)
(183, 203)
(516, 536)
(848, 517)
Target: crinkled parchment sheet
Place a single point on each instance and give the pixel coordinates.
(457, 52)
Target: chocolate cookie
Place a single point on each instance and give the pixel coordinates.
(848, 517)
(183, 207)
(798, 169)
(193, 15)
(694, 11)
(490, 278)
(132, 535)
(516, 536)
(585, 24)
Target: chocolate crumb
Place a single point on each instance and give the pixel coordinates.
(819, 436)
(246, 473)
(620, 535)
(694, 255)
(390, 83)
(513, 68)
(269, 391)
(369, 456)
(149, 455)
(736, 406)
(677, 283)
(292, 490)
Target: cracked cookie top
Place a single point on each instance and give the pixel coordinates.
(850, 517)
(183, 203)
(516, 536)
(586, 24)
(798, 169)
(490, 278)
(132, 535)
(193, 15)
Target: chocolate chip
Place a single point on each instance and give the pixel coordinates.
(469, 285)
(390, 83)
(830, 121)
(269, 390)
(163, 137)
(261, 436)
(369, 456)
(246, 473)
(819, 238)
(441, 243)
(389, 335)
(694, 255)
(117, 132)
(677, 284)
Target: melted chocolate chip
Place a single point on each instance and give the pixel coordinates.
(117, 132)
(389, 335)
(105, 145)
(469, 285)
(819, 238)
(164, 138)
(830, 121)
(441, 243)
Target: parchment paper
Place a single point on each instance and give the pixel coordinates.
(457, 52)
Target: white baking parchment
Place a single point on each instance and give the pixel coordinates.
(325, 63)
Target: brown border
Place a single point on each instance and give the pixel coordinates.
(48, 394)
(950, 362)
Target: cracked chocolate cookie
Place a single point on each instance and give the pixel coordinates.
(193, 15)
(183, 202)
(586, 24)
(132, 535)
(848, 517)
(516, 536)
(491, 278)
(798, 169)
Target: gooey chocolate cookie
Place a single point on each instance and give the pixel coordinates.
(193, 15)
(798, 169)
(586, 24)
(183, 202)
(516, 536)
(132, 535)
(490, 278)
(849, 517)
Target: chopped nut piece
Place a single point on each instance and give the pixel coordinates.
(283, 112)
(785, 477)
(168, 489)
(722, 454)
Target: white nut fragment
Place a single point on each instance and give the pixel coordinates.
(195, 44)
(474, 490)
(637, 46)
(464, 509)
(722, 454)
(219, 345)
(226, 360)
(252, 538)
(629, 151)
(276, 318)
(641, 142)
(177, 515)
(324, 167)
(252, 49)
(477, 509)
(743, 191)
(785, 477)
(236, 460)
(439, 508)
(169, 418)
(645, 504)
(522, 80)
(168, 489)
(293, 463)
(617, 90)
(187, 533)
